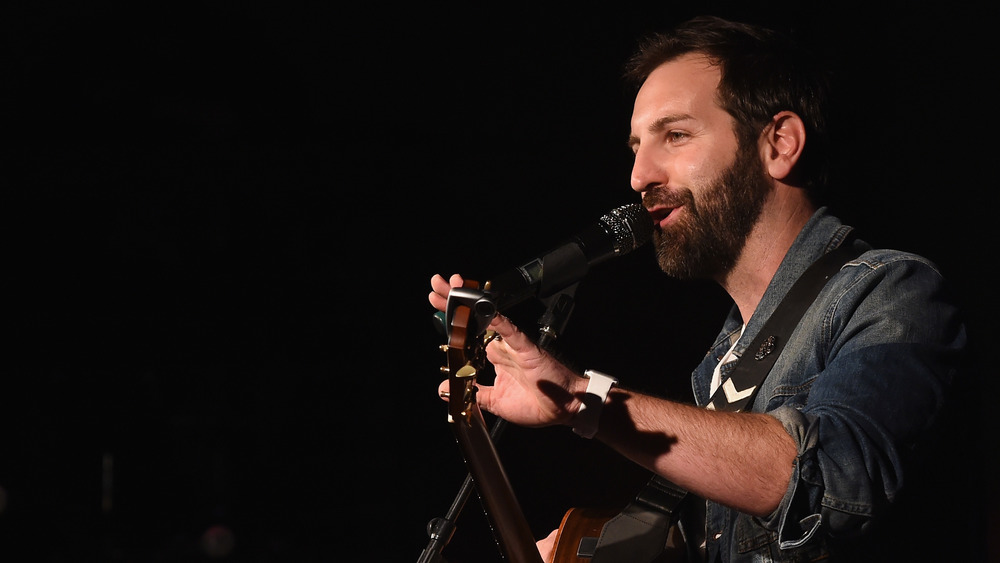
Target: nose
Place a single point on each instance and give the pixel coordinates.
(646, 171)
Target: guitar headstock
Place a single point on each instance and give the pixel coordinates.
(467, 320)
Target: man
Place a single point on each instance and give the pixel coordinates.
(729, 135)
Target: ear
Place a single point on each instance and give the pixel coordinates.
(782, 144)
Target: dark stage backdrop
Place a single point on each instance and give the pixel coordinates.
(222, 221)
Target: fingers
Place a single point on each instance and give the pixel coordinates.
(437, 300)
(546, 545)
(482, 392)
(440, 288)
(510, 334)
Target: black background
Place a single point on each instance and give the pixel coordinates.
(222, 220)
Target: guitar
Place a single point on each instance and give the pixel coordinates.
(578, 531)
(467, 317)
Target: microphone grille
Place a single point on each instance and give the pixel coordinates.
(630, 225)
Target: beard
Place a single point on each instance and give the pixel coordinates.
(708, 238)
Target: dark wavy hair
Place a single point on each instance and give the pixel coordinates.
(763, 72)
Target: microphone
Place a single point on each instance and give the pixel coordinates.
(618, 232)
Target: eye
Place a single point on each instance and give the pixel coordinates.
(677, 136)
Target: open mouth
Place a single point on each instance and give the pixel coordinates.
(661, 215)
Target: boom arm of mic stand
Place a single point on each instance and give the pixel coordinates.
(551, 324)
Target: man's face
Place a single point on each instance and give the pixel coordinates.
(704, 191)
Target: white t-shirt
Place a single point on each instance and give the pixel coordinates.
(730, 356)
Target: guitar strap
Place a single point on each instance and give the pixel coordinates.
(640, 532)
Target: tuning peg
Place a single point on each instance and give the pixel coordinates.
(444, 369)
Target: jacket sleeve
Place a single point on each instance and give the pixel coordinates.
(892, 342)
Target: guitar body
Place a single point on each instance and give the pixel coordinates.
(585, 524)
(578, 523)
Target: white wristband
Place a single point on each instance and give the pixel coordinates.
(585, 423)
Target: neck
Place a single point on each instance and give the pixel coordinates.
(785, 213)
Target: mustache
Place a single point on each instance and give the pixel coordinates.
(668, 197)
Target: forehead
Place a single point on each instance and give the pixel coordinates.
(683, 86)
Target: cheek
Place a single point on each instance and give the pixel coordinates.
(701, 172)
(714, 162)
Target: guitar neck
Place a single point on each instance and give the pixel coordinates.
(512, 530)
(468, 320)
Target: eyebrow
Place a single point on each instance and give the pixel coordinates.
(659, 125)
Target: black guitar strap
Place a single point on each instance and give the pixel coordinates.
(640, 532)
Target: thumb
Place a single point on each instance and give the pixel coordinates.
(484, 394)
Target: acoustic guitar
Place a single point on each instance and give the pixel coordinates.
(467, 317)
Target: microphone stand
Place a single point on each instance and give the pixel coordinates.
(551, 324)
(553, 321)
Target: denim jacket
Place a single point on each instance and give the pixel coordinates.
(859, 384)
